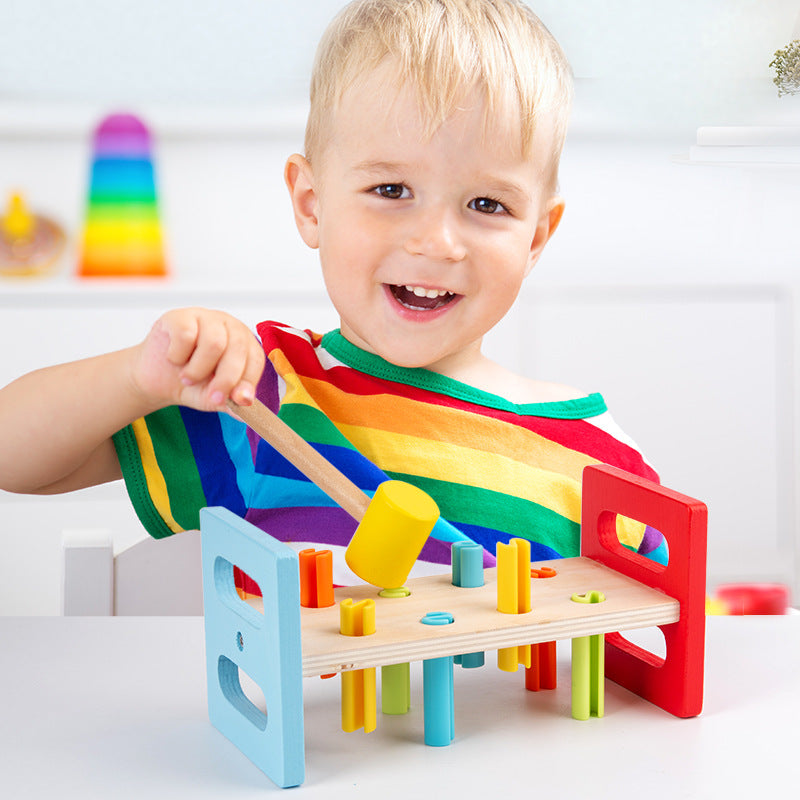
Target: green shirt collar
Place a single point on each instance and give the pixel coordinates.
(580, 408)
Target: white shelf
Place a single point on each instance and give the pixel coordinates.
(132, 293)
(749, 136)
(747, 145)
(71, 121)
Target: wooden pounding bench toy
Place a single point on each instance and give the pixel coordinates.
(443, 619)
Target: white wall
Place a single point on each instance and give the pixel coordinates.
(651, 65)
(702, 259)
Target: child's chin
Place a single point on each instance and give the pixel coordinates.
(418, 359)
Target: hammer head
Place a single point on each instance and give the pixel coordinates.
(391, 534)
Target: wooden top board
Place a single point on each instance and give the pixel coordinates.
(401, 637)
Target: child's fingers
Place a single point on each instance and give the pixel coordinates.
(182, 327)
(239, 368)
(199, 358)
(210, 346)
(245, 391)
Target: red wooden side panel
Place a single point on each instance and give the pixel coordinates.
(675, 683)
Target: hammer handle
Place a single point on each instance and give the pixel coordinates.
(302, 455)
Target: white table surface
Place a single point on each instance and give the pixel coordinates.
(116, 708)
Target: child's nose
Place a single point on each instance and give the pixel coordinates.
(436, 235)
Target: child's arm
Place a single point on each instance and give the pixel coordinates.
(56, 423)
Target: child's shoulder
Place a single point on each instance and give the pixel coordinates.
(521, 390)
(491, 377)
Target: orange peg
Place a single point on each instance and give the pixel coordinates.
(542, 572)
(316, 578)
(542, 672)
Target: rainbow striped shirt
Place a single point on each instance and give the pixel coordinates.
(495, 469)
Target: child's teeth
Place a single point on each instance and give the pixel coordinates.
(420, 291)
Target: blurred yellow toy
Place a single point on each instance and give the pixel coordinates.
(30, 244)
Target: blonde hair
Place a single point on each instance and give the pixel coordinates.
(444, 49)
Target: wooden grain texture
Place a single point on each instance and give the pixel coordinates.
(400, 637)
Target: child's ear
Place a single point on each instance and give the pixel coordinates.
(300, 182)
(546, 227)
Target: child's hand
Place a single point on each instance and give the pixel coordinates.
(198, 358)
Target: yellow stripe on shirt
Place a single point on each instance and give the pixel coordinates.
(394, 452)
(156, 485)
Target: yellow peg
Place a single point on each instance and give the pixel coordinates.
(357, 619)
(359, 695)
(514, 596)
(514, 577)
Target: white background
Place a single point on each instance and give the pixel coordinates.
(670, 286)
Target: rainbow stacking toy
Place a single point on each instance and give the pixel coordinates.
(122, 236)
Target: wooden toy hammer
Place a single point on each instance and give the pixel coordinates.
(393, 525)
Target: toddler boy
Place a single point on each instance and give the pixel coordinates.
(429, 187)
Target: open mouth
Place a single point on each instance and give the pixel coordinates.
(418, 298)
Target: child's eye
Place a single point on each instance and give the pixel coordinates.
(486, 205)
(392, 191)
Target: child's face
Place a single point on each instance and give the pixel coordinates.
(424, 241)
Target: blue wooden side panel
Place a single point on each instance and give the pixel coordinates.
(265, 646)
